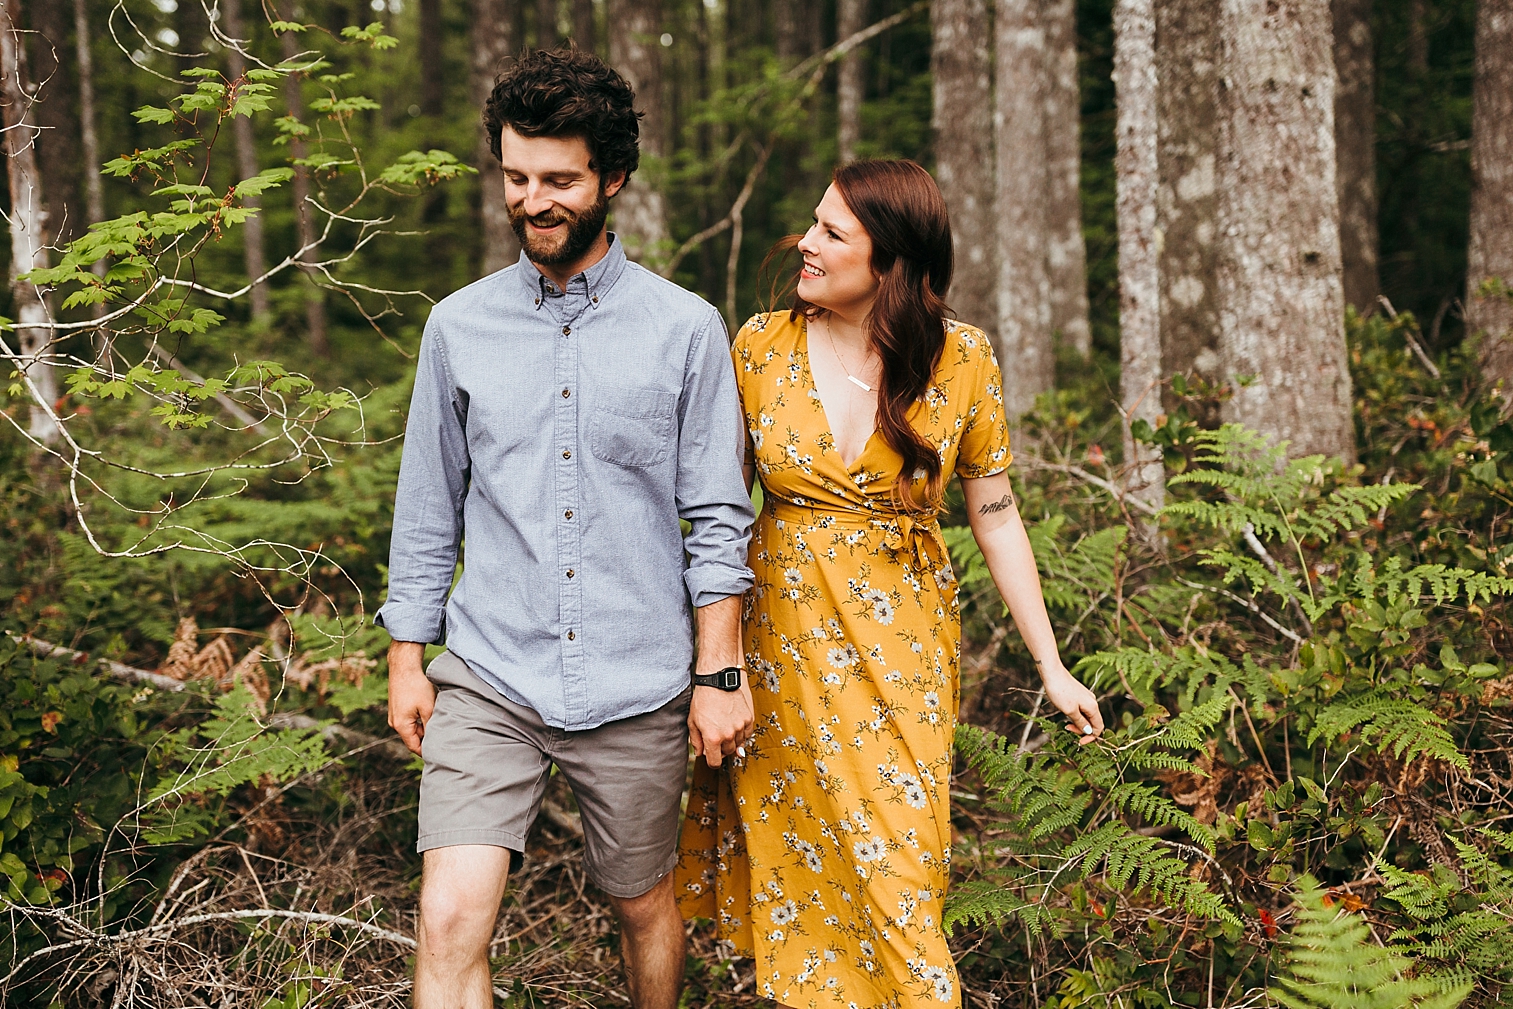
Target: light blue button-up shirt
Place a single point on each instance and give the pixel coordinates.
(566, 433)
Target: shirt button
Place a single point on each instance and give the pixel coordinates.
(567, 453)
(567, 330)
(571, 636)
(569, 572)
(596, 301)
(567, 514)
(565, 394)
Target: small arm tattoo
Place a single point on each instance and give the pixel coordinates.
(1003, 504)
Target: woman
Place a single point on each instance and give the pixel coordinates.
(824, 851)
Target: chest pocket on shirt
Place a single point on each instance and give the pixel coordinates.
(632, 427)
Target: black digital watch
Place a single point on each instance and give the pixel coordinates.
(728, 678)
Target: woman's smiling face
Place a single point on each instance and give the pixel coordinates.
(837, 251)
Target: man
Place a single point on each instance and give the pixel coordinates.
(567, 412)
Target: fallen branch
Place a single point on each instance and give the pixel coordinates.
(1029, 461)
(390, 747)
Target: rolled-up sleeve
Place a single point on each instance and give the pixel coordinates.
(434, 471)
(711, 492)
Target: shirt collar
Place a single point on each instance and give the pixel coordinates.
(596, 280)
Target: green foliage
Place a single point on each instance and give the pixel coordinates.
(211, 758)
(1331, 963)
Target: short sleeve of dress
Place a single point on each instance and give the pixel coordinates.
(985, 432)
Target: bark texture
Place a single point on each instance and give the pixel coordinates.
(1187, 200)
(315, 300)
(1136, 173)
(1025, 349)
(640, 216)
(1355, 150)
(1066, 255)
(546, 23)
(1490, 258)
(798, 29)
(28, 221)
(432, 70)
(493, 41)
(89, 149)
(850, 18)
(584, 35)
(1281, 303)
(52, 77)
(253, 244)
(962, 69)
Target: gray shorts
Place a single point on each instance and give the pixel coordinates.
(487, 760)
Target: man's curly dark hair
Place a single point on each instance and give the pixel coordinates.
(568, 92)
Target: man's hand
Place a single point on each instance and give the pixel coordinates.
(719, 721)
(411, 695)
(1075, 701)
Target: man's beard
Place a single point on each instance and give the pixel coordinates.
(582, 231)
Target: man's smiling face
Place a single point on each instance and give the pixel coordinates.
(556, 197)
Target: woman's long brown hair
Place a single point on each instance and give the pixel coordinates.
(901, 208)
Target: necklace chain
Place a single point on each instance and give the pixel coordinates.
(830, 337)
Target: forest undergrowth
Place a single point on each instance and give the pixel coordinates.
(1305, 789)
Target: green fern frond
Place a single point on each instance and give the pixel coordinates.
(1192, 728)
(1401, 726)
(1145, 801)
(1330, 963)
(980, 902)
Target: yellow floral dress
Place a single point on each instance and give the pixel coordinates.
(825, 852)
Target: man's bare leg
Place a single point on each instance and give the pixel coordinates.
(460, 893)
(652, 940)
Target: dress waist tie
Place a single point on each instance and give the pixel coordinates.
(912, 537)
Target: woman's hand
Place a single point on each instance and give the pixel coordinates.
(1073, 700)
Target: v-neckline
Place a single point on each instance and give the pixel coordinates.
(814, 387)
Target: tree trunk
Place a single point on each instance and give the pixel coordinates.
(640, 215)
(493, 42)
(28, 222)
(1490, 256)
(432, 68)
(315, 301)
(1025, 348)
(1066, 255)
(961, 64)
(546, 24)
(1281, 303)
(583, 25)
(1355, 149)
(850, 18)
(53, 113)
(89, 142)
(1187, 202)
(253, 250)
(1136, 173)
(798, 28)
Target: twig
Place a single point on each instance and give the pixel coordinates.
(1259, 549)
(1250, 605)
(1413, 344)
(1029, 461)
(227, 403)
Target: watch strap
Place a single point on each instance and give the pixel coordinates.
(728, 678)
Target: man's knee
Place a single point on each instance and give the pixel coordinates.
(460, 894)
(655, 907)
